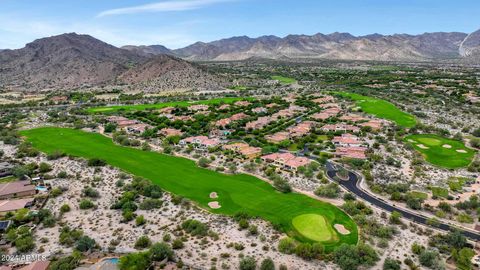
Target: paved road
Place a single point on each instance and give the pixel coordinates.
(352, 185)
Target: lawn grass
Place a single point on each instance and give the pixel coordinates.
(7, 179)
(382, 109)
(313, 227)
(293, 147)
(432, 148)
(183, 177)
(139, 107)
(322, 138)
(284, 80)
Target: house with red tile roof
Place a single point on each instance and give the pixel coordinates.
(296, 108)
(301, 129)
(374, 124)
(242, 103)
(36, 265)
(200, 142)
(329, 105)
(286, 161)
(238, 116)
(244, 150)
(351, 152)
(224, 107)
(198, 107)
(259, 110)
(167, 110)
(260, 123)
(333, 111)
(121, 121)
(352, 118)
(285, 113)
(14, 205)
(183, 118)
(347, 140)
(17, 189)
(138, 128)
(226, 121)
(323, 100)
(340, 127)
(278, 137)
(169, 132)
(223, 122)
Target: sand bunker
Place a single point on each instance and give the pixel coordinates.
(341, 229)
(213, 195)
(410, 140)
(446, 146)
(461, 151)
(422, 146)
(214, 205)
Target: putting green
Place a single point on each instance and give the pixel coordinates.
(314, 227)
(429, 141)
(432, 148)
(382, 109)
(183, 177)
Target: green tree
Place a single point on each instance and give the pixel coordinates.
(135, 261)
(463, 258)
(66, 263)
(140, 220)
(86, 204)
(428, 258)
(110, 127)
(395, 217)
(161, 251)
(203, 162)
(391, 264)
(44, 167)
(282, 185)
(85, 244)
(65, 208)
(248, 263)
(346, 257)
(143, 242)
(267, 264)
(287, 245)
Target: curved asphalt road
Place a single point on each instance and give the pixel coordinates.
(352, 186)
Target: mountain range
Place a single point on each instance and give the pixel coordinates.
(342, 46)
(71, 61)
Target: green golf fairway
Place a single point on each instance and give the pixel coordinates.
(382, 109)
(441, 151)
(314, 227)
(284, 80)
(182, 177)
(110, 109)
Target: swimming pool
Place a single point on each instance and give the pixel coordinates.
(41, 188)
(112, 260)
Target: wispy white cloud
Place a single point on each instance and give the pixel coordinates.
(22, 31)
(179, 5)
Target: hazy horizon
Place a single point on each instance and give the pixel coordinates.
(178, 23)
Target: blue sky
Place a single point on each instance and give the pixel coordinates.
(177, 23)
